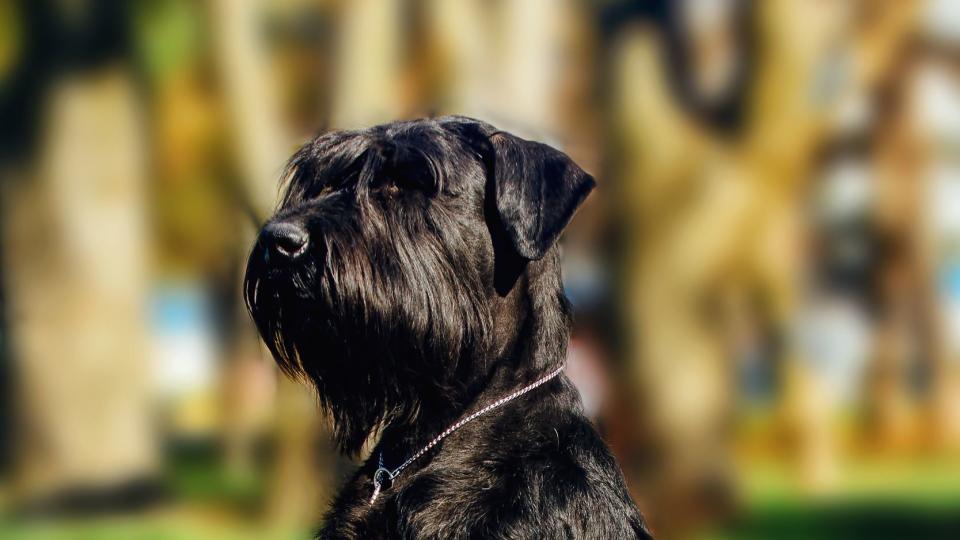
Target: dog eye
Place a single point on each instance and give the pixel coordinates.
(407, 182)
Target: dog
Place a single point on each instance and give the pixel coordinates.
(411, 275)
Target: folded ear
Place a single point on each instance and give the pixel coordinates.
(537, 190)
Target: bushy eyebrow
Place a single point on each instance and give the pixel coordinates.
(330, 160)
(359, 158)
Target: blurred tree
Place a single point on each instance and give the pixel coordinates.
(708, 53)
(701, 215)
(74, 250)
(370, 62)
(916, 353)
(76, 255)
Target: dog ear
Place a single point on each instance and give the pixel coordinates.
(537, 189)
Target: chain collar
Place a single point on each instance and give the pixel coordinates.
(382, 473)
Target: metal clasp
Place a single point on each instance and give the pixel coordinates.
(382, 475)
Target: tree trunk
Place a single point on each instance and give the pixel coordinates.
(77, 277)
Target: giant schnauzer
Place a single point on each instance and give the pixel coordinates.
(411, 275)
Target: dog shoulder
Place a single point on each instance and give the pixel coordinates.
(558, 482)
(580, 488)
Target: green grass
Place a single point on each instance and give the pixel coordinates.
(900, 500)
(197, 476)
(846, 520)
(206, 504)
(166, 528)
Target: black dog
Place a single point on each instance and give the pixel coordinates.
(411, 275)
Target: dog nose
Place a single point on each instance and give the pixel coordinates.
(289, 240)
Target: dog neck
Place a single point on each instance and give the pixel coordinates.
(536, 349)
(400, 440)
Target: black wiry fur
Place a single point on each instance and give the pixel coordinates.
(430, 287)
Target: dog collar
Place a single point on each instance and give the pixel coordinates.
(384, 473)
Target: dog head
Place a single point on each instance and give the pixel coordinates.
(387, 276)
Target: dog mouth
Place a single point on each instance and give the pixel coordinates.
(278, 300)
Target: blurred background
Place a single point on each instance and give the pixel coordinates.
(766, 282)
